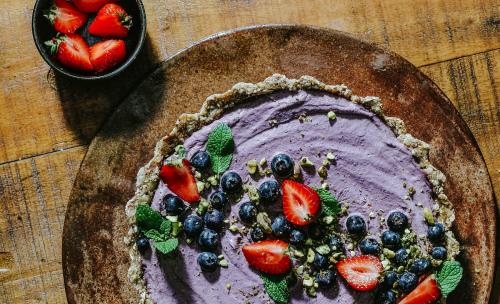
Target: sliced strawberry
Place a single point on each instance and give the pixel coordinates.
(90, 6)
(361, 272)
(268, 256)
(105, 55)
(180, 180)
(71, 51)
(65, 17)
(111, 21)
(426, 292)
(300, 202)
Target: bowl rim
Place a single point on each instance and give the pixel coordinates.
(110, 74)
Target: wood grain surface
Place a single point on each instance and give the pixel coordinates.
(46, 121)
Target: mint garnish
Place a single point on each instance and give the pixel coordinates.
(276, 287)
(166, 228)
(147, 218)
(220, 147)
(167, 246)
(329, 204)
(154, 235)
(448, 277)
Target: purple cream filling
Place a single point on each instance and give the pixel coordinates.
(371, 167)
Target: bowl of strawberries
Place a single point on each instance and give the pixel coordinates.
(89, 39)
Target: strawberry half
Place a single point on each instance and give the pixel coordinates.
(268, 256)
(426, 292)
(71, 51)
(90, 6)
(180, 180)
(300, 202)
(111, 21)
(65, 17)
(105, 55)
(361, 272)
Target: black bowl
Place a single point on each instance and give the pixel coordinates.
(43, 31)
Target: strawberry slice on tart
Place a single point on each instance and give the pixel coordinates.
(111, 21)
(361, 272)
(65, 17)
(179, 179)
(300, 202)
(427, 292)
(268, 256)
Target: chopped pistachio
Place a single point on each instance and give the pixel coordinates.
(252, 166)
(308, 282)
(323, 249)
(264, 222)
(400, 269)
(176, 228)
(350, 246)
(200, 185)
(296, 170)
(197, 175)
(189, 241)
(311, 292)
(385, 263)
(429, 218)
(309, 242)
(325, 162)
(253, 195)
(306, 162)
(269, 171)
(330, 156)
(331, 115)
(212, 180)
(234, 228)
(325, 186)
(411, 191)
(300, 269)
(263, 162)
(322, 171)
(352, 252)
(389, 253)
(298, 253)
(228, 286)
(328, 220)
(372, 215)
(310, 256)
(223, 263)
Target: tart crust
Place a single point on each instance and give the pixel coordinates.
(216, 105)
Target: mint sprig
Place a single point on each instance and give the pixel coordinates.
(220, 147)
(153, 226)
(167, 246)
(147, 218)
(329, 204)
(276, 287)
(448, 277)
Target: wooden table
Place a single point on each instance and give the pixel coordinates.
(47, 121)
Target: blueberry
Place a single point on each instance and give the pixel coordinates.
(355, 224)
(142, 244)
(282, 165)
(231, 182)
(257, 234)
(407, 281)
(218, 200)
(208, 239)
(401, 256)
(269, 191)
(201, 161)
(214, 219)
(192, 225)
(247, 212)
(208, 261)
(297, 237)
(335, 243)
(280, 226)
(320, 261)
(369, 246)
(420, 266)
(385, 297)
(390, 277)
(397, 221)
(316, 231)
(172, 204)
(325, 277)
(391, 239)
(435, 233)
(439, 253)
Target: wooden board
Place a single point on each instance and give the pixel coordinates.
(94, 260)
(45, 119)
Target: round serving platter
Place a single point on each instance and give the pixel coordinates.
(95, 259)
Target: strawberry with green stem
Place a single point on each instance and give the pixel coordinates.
(71, 51)
(111, 21)
(65, 17)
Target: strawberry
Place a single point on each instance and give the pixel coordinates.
(71, 51)
(107, 54)
(111, 21)
(300, 202)
(91, 6)
(361, 272)
(268, 256)
(180, 180)
(426, 292)
(65, 17)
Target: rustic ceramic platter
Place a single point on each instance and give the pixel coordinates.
(95, 260)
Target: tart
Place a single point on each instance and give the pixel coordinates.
(291, 191)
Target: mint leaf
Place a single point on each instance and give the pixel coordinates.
(154, 235)
(167, 246)
(276, 287)
(329, 204)
(448, 277)
(147, 218)
(220, 147)
(165, 229)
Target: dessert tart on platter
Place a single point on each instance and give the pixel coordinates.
(291, 191)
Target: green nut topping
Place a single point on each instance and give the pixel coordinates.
(263, 162)
(310, 256)
(306, 162)
(234, 228)
(223, 263)
(172, 218)
(213, 180)
(200, 185)
(429, 218)
(264, 222)
(331, 115)
(252, 166)
(389, 253)
(309, 282)
(322, 172)
(323, 249)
